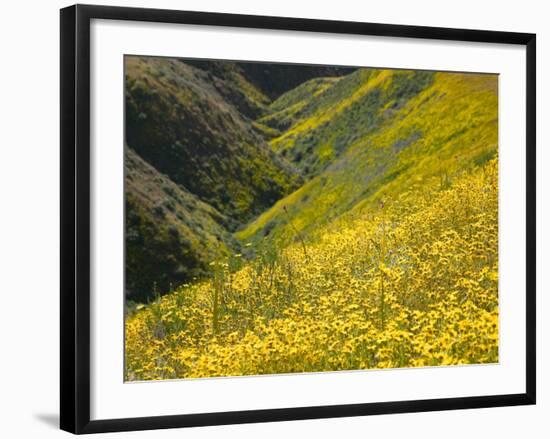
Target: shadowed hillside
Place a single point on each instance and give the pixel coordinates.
(193, 123)
(170, 233)
(272, 79)
(179, 123)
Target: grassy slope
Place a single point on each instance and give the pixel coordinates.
(388, 257)
(282, 113)
(274, 79)
(185, 122)
(190, 125)
(449, 126)
(228, 80)
(411, 284)
(344, 113)
(194, 122)
(171, 235)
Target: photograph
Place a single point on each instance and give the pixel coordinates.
(288, 218)
(266, 220)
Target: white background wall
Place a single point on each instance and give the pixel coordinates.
(29, 249)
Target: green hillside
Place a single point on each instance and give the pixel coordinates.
(283, 113)
(341, 115)
(421, 127)
(191, 127)
(171, 235)
(261, 83)
(279, 163)
(178, 121)
(312, 219)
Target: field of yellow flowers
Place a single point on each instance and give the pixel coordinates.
(410, 282)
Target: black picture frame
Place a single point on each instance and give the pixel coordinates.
(75, 217)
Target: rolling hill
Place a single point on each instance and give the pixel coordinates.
(179, 123)
(171, 235)
(191, 127)
(419, 128)
(379, 248)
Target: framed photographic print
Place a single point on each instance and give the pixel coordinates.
(269, 218)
